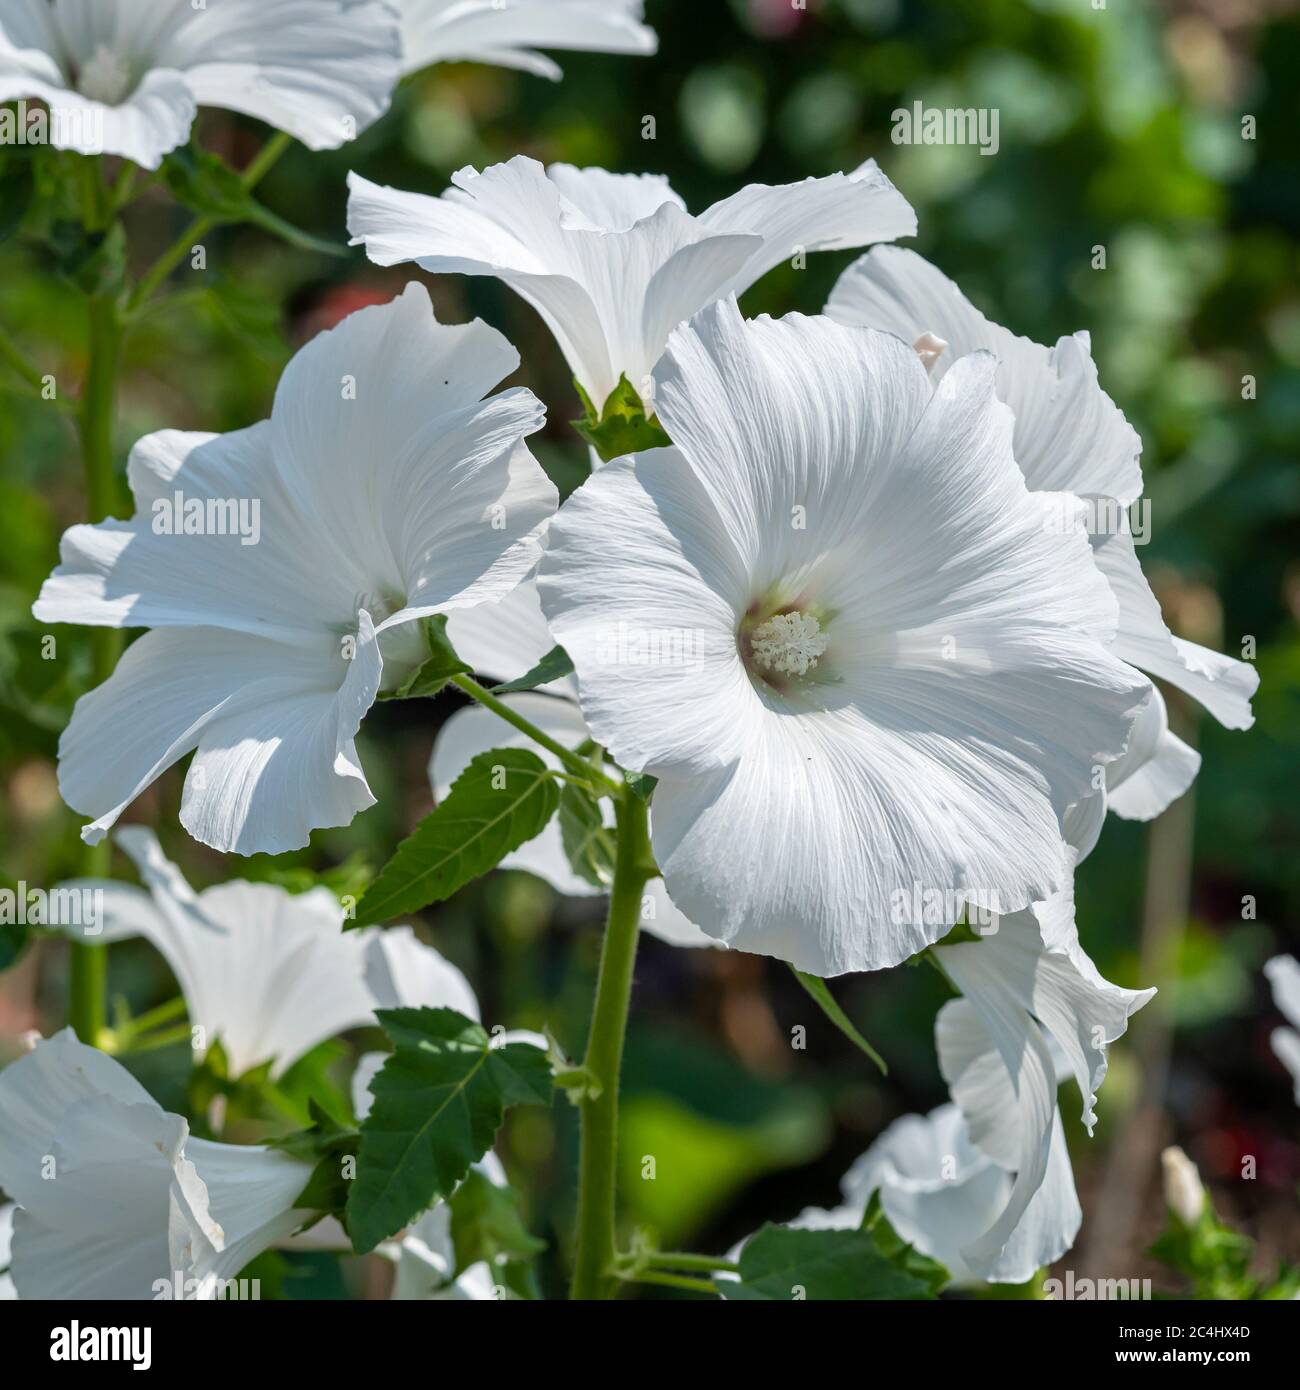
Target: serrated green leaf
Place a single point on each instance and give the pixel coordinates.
(487, 1224)
(433, 674)
(588, 841)
(826, 1002)
(554, 666)
(780, 1263)
(438, 1103)
(501, 800)
(622, 427)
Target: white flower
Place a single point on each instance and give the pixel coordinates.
(1184, 1191)
(613, 262)
(502, 641)
(388, 490)
(940, 1194)
(1028, 982)
(126, 77)
(265, 972)
(505, 32)
(964, 694)
(1069, 437)
(1284, 975)
(116, 1200)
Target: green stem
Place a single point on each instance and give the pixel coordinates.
(672, 1281)
(593, 1271)
(87, 1008)
(668, 1259)
(575, 762)
(201, 226)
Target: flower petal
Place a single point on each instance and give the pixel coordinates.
(1069, 435)
(261, 711)
(1220, 683)
(440, 31)
(815, 214)
(322, 70)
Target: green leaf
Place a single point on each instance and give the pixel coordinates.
(439, 1101)
(826, 1002)
(210, 187)
(433, 674)
(552, 667)
(780, 1263)
(898, 1252)
(622, 427)
(588, 841)
(487, 1224)
(326, 1144)
(501, 800)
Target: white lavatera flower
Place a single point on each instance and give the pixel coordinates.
(125, 77)
(506, 33)
(389, 490)
(940, 1193)
(1069, 436)
(613, 262)
(1284, 976)
(115, 1195)
(964, 694)
(1030, 994)
(502, 641)
(267, 973)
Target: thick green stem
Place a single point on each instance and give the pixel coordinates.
(593, 1271)
(87, 1002)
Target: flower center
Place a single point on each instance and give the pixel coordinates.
(788, 644)
(105, 76)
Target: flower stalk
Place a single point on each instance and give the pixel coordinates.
(594, 1273)
(88, 965)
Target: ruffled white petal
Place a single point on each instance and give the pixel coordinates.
(322, 70)
(126, 1205)
(614, 262)
(1028, 982)
(1154, 770)
(1220, 683)
(440, 31)
(831, 213)
(1069, 435)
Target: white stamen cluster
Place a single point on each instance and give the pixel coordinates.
(788, 643)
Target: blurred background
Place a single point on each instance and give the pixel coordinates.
(1121, 127)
